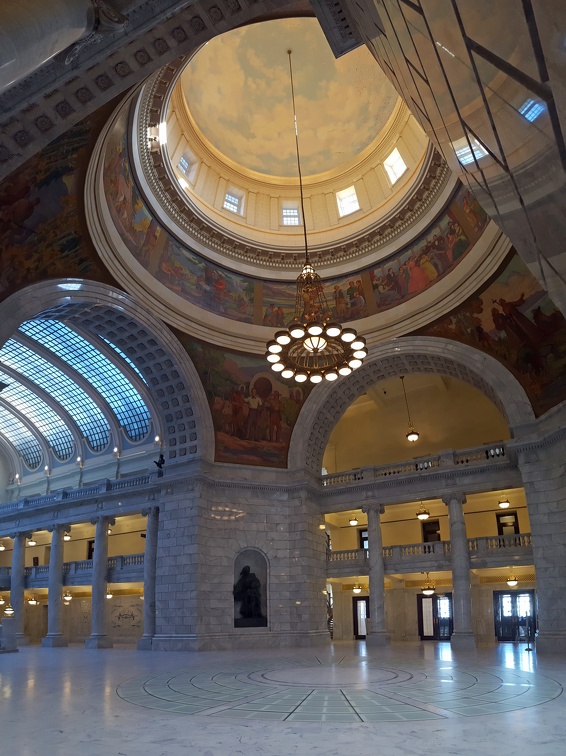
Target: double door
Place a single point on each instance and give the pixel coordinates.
(514, 615)
(435, 616)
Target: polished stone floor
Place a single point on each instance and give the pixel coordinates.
(407, 699)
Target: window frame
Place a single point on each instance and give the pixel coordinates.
(345, 206)
(390, 169)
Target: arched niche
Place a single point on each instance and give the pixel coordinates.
(251, 581)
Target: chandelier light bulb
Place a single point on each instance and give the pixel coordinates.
(274, 347)
(358, 343)
(333, 330)
(272, 357)
(301, 376)
(315, 329)
(287, 373)
(361, 354)
(344, 370)
(354, 363)
(278, 367)
(348, 335)
(315, 377)
(296, 330)
(331, 375)
(282, 337)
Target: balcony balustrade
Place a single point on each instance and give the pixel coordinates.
(485, 552)
(479, 456)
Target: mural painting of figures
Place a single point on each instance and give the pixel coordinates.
(346, 297)
(514, 320)
(278, 303)
(253, 412)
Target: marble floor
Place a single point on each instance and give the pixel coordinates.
(406, 699)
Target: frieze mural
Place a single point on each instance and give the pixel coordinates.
(253, 410)
(514, 320)
(217, 289)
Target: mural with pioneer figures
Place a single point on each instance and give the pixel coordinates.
(217, 289)
(514, 320)
(253, 410)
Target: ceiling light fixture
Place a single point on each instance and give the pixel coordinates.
(353, 520)
(32, 541)
(429, 587)
(109, 593)
(504, 503)
(413, 434)
(32, 601)
(423, 514)
(314, 347)
(2, 547)
(356, 589)
(9, 611)
(2, 600)
(512, 581)
(66, 536)
(67, 596)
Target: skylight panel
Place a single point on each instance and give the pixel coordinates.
(21, 438)
(121, 396)
(464, 152)
(347, 201)
(531, 109)
(395, 166)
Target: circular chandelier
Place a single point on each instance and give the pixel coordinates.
(314, 347)
(429, 588)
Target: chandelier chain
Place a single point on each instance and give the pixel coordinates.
(307, 260)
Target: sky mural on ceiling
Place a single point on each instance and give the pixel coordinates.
(237, 91)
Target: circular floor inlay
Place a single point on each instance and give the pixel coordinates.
(353, 689)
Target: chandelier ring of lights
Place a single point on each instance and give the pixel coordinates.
(314, 347)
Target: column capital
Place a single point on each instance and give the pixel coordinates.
(103, 518)
(373, 505)
(58, 527)
(148, 511)
(20, 533)
(458, 496)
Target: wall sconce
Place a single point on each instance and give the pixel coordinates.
(18, 479)
(423, 514)
(353, 520)
(429, 587)
(412, 434)
(80, 462)
(504, 503)
(356, 589)
(512, 581)
(47, 471)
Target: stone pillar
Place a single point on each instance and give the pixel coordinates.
(544, 480)
(463, 636)
(98, 637)
(149, 574)
(54, 637)
(17, 586)
(377, 635)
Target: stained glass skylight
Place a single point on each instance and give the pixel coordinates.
(21, 438)
(121, 396)
(38, 412)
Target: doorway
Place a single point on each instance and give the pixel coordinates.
(435, 616)
(361, 614)
(514, 615)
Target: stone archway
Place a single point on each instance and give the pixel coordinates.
(177, 391)
(413, 354)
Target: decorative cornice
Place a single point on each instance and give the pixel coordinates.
(165, 192)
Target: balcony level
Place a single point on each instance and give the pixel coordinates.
(485, 552)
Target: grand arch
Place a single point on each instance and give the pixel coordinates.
(414, 354)
(176, 389)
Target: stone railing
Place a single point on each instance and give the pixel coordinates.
(73, 494)
(449, 460)
(411, 555)
(126, 568)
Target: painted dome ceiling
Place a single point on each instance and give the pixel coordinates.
(237, 93)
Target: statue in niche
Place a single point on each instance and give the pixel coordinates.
(248, 592)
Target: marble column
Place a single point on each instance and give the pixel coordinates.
(463, 636)
(149, 575)
(54, 637)
(98, 637)
(17, 586)
(377, 635)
